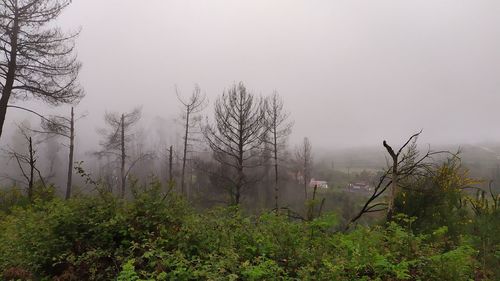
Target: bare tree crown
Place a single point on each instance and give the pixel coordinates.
(238, 133)
(112, 135)
(41, 57)
(239, 125)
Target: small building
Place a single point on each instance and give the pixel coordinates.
(317, 183)
(359, 186)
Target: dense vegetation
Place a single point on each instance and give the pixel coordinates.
(444, 234)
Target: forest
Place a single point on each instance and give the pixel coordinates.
(225, 194)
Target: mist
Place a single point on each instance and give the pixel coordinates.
(352, 73)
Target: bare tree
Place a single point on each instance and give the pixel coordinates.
(116, 139)
(395, 169)
(26, 162)
(303, 155)
(405, 164)
(237, 134)
(190, 107)
(279, 127)
(64, 127)
(36, 58)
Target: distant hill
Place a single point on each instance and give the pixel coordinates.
(482, 160)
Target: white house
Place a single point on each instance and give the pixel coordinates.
(317, 183)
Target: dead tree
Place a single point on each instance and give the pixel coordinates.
(191, 108)
(404, 165)
(237, 135)
(58, 126)
(70, 154)
(36, 59)
(303, 155)
(64, 127)
(26, 162)
(279, 127)
(395, 173)
(116, 138)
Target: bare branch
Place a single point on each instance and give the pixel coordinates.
(237, 133)
(37, 60)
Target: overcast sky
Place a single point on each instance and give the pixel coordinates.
(352, 72)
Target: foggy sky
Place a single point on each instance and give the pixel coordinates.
(352, 72)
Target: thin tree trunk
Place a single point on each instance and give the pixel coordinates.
(191, 181)
(32, 171)
(170, 165)
(186, 133)
(310, 213)
(122, 172)
(238, 187)
(305, 174)
(70, 159)
(276, 187)
(394, 187)
(11, 75)
(241, 175)
(394, 183)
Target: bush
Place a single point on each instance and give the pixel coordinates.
(159, 238)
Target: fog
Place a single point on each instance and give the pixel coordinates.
(352, 73)
(378, 159)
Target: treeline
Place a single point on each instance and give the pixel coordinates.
(241, 152)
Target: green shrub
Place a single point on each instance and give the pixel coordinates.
(154, 237)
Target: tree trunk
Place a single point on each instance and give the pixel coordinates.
(305, 174)
(32, 170)
(122, 171)
(239, 184)
(276, 187)
(70, 159)
(186, 133)
(394, 188)
(11, 74)
(237, 194)
(241, 174)
(394, 183)
(170, 165)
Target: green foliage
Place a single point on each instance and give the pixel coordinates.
(437, 199)
(465, 223)
(484, 231)
(128, 272)
(157, 237)
(15, 196)
(11, 197)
